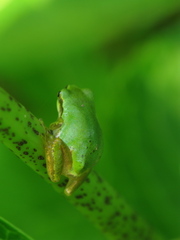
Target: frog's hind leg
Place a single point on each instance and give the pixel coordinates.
(54, 158)
(74, 182)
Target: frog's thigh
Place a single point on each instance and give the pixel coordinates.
(74, 182)
(54, 159)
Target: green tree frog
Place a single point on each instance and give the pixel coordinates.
(73, 144)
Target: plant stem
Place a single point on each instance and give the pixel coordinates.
(23, 133)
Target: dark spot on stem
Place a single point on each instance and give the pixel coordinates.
(35, 131)
(21, 143)
(24, 141)
(107, 200)
(31, 116)
(125, 218)
(19, 105)
(5, 131)
(79, 196)
(125, 235)
(99, 179)
(87, 180)
(117, 213)
(90, 208)
(10, 98)
(40, 157)
(29, 124)
(109, 223)
(83, 204)
(134, 217)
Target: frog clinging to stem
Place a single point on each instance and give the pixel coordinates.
(73, 144)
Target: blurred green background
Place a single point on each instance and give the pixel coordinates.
(128, 54)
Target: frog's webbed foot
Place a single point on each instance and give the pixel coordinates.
(74, 182)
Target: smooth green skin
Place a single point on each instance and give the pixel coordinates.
(74, 142)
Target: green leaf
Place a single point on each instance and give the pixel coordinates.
(10, 232)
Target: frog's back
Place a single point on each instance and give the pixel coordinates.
(81, 133)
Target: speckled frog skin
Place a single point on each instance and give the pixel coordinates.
(73, 144)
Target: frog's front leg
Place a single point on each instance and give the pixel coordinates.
(54, 157)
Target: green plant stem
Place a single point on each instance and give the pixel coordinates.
(23, 133)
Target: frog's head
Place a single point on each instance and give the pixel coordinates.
(71, 95)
